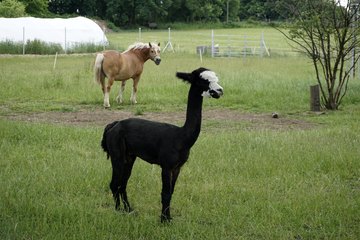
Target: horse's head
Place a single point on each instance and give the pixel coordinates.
(155, 53)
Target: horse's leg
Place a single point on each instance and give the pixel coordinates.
(122, 88)
(125, 177)
(107, 93)
(102, 81)
(133, 93)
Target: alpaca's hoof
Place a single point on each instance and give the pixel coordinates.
(128, 209)
(165, 218)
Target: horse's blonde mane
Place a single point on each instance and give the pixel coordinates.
(139, 45)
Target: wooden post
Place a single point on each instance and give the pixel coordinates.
(315, 98)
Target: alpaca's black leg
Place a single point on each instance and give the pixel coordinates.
(124, 180)
(114, 186)
(175, 174)
(166, 176)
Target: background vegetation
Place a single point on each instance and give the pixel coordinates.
(135, 13)
(243, 180)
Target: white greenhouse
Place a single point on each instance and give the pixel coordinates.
(66, 32)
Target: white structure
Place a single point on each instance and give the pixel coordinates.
(66, 32)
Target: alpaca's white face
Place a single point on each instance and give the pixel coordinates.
(215, 90)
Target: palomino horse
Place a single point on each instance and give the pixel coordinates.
(123, 66)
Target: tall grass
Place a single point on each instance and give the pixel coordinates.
(268, 185)
(242, 180)
(43, 48)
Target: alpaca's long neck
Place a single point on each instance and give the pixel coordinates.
(192, 124)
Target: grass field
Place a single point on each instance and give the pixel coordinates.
(298, 178)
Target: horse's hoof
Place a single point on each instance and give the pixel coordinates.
(106, 106)
(119, 100)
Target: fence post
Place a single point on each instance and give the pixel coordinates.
(23, 40)
(169, 44)
(139, 35)
(104, 36)
(212, 43)
(65, 42)
(245, 46)
(315, 98)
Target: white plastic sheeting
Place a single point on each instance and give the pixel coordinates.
(66, 32)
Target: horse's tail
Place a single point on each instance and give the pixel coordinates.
(103, 141)
(98, 68)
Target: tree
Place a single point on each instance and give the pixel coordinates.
(12, 9)
(152, 11)
(81, 7)
(204, 10)
(121, 12)
(178, 11)
(328, 34)
(233, 8)
(37, 8)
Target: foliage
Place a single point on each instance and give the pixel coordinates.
(130, 13)
(10, 47)
(39, 47)
(12, 9)
(204, 10)
(37, 8)
(327, 33)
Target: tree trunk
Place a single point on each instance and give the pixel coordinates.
(331, 103)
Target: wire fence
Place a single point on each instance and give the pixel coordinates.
(214, 43)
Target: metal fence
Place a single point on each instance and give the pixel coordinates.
(214, 43)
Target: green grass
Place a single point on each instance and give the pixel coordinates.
(242, 181)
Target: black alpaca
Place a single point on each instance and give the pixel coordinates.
(158, 143)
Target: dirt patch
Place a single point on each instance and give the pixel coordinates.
(101, 117)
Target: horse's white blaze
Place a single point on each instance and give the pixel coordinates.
(213, 82)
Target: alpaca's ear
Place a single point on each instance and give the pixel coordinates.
(184, 76)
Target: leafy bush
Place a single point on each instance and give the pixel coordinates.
(85, 48)
(12, 9)
(40, 47)
(10, 47)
